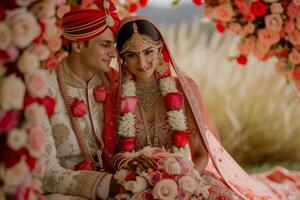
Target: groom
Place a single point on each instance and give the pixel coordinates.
(80, 134)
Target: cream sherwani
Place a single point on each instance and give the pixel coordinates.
(62, 149)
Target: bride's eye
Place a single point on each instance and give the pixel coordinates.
(130, 55)
(149, 52)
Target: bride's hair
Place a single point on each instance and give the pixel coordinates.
(144, 28)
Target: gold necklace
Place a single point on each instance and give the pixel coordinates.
(147, 93)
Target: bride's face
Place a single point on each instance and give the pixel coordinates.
(139, 61)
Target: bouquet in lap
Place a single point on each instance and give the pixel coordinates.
(172, 178)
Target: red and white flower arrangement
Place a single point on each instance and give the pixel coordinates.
(175, 178)
(267, 28)
(30, 40)
(176, 117)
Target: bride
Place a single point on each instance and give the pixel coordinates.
(160, 106)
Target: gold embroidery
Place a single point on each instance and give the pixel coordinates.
(61, 133)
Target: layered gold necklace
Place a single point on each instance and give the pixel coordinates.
(147, 93)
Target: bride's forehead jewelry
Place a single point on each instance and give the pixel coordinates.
(137, 39)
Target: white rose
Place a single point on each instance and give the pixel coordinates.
(17, 138)
(12, 91)
(43, 9)
(187, 183)
(137, 185)
(177, 120)
(52, 32)
(165, 189)
(28, 63)
(24, 27)
(147, 151)
(172, 166)
(122, 196)
(24, 2)
(15, 175)
(35, 113)
(121, 175)
(127, 125)
(128, 89)
(37, 83)
(5, 36)
(167, 85)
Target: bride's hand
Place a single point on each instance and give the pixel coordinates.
(141, 163)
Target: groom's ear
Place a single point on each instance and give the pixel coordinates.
(77, 46)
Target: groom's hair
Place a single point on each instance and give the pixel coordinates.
(144, 28)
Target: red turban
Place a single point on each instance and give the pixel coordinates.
(84, 24)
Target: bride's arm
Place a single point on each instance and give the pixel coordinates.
(198, 151)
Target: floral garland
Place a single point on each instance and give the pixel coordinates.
(176, 117)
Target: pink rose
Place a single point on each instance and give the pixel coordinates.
(52, 31)
(296, 2)
(242, 6)
(37, 83)
(128, 104)
(260, 50)
(36, 141)
(23, 26)
(12, 52)
(5, 36)
(62, 10)
(154, 177)
(43, 9)
(187, 183)
(289, 26)
(249, 28)
(276, 8)
(60, 2)
(294, 57)
(223, 12)
(234, 27)
(146, 195)
(274, 22)
(292, 10)
(9, 120)
(78, 108)
(100, 93)
(294, 37)
(298, 21)
(268, 37)
(165, 189)
(40, 50)
(54, 44)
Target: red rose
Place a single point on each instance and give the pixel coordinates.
(258, 8)
(130, 176)
(127, 144)
(2, 13)
(128, 104)
(296, 73)
(51, 62)
(220, 27)
(100, 93)
(9, 120)
(29, 100)
(78, 108)
(133, 8)
(173, 101)
(84, 165)
(10, 157)
(197, 2)
(31, 161)
(242, 60)
(143, 3)
(49, 103)
(180, 138)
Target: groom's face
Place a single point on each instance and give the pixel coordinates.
(139, 60)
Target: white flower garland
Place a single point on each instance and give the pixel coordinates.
(176, 118)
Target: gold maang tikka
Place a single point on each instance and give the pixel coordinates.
(137, 39)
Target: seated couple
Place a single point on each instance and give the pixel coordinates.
(101, 114)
